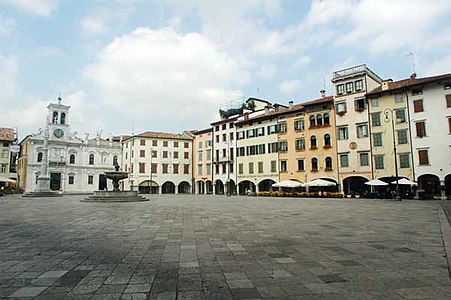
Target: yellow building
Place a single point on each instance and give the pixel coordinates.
(202, 161)
(386, 106)
(8, 173)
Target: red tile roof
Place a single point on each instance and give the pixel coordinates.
(7, 134)
(409, 82)
(163, 135)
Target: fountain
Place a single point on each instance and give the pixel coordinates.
(116, 195)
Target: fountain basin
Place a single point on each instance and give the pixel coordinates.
(115, 196)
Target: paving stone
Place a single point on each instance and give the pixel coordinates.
(53, 274)
(27, 292)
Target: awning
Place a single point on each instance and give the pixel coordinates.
(288, 184)
(5, 179)
(404, 181)
(376, 182)
(320, 182)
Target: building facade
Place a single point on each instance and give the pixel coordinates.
(203, 161)
(353, 136)
(158, 162)
(8, 174)
(75, 165)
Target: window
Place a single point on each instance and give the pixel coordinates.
(359, 104)
(300, 144)
(327, 143)
(224, 126)
(142, 168)
(154, 168)
(273, 166)
(362, 131)
(313, 144)
(175, 169)
(91, 159)
(165, 168)
(423, 157)
(240, 168)
(273, 147)
(314, 164)
(261, 149)
(282, 127)
(358, 85)
(90, 179)
(377, 139)
(299, 125)
(251, 168)
(402, 136)
(272, 129)
(200, 155)
(400, 115)
(364, 159)
(379, 162)
(154, 143)
(326, 119)
(142, 142)
(208, 144)
(208, 169)
(376, 119)
(240, 135)
(4, 167)
(448, 101)
(186, 155)
(165, 154)
(250, 133)
(312, 121)
(72, 159)
(5, 153)
(39, 159)
(224, 153)
(447, 86)
(63, 118)
(283, 145)
(176, 144)
(349, 87)
(449, 125)
(231, 136)
(421, 129)
(185, 169)
(375, 102)
(114, 160)
(55, 117)
(340, 89)
(224, 137)
(283, 166)
(224, 168)
(301, 165)
(142, 153)
(217, 128)
(231, 125)
(199, 170)
(319, 120)
(341, 107)
(417, 91)
(176, 154)
(398, 98)
(165, 143)
(260, 167)
(154, 153)
(418, 105)
(342, 133)
(404, 161)
(186, 145)
(328, 164)
(241, 151)
(200, 144)
(71, 179)
(344, 160)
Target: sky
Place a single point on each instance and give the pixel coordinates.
(129, 66)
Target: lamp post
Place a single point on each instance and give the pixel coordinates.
(389, 115)
(228, 192)
(150, 171)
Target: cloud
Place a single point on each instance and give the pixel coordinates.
(7, 26)
(165, 80)
(290, 86)
(437, 66)
(301, 62)
(9, 74)
(93, 25)
(42, 8)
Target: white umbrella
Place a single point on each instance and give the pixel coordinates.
(404, 181)
(5, 179)
(376, 182)
(288, 184)
(319, 182)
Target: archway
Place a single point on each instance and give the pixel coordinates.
(265, 185)
(405, 190)
(448, 185)
(231, 187)
(146, 188)
(355, 185)
(168, 188)
(429, 185)
(219, 187)
(184, 187)
(245, 186)
(200, 187)
(209, 187)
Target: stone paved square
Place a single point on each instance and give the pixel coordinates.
(217, 247)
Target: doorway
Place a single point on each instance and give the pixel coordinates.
(55, 181)
(102, 182)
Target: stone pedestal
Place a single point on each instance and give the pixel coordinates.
(115, 196)
(43, 189)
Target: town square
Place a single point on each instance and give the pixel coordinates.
(191, 149)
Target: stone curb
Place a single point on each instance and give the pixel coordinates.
(445, 229)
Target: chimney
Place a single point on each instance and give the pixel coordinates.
(246, 116)
(385, 85)
(290, 104)
(322, 93)
(266, 110)
(413, 76)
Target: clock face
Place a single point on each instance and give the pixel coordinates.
(58, 133)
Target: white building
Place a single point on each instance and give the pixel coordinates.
(163, 161)
(75, 165)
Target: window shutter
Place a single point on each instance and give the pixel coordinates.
(418, 105)
(448, 100)
(423, 156)
(421, 130)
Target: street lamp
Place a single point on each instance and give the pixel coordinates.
(389, 115)
(150, 171)
(228, 192)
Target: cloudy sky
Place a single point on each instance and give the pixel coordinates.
(134, 65)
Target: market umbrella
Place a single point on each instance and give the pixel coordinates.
(404, 181)
(5, 179)
(319, 182)
(288, 184)
(376, 182)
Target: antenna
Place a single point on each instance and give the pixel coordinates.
(412, 61)
(59, 97)
(324, 83)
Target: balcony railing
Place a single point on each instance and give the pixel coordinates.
(349, 71)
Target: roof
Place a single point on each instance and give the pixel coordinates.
(7, 134)
(318, 101)
(201, 131)
(162, 135)
(408, 83)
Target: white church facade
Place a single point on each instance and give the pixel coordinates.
(75, 165)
